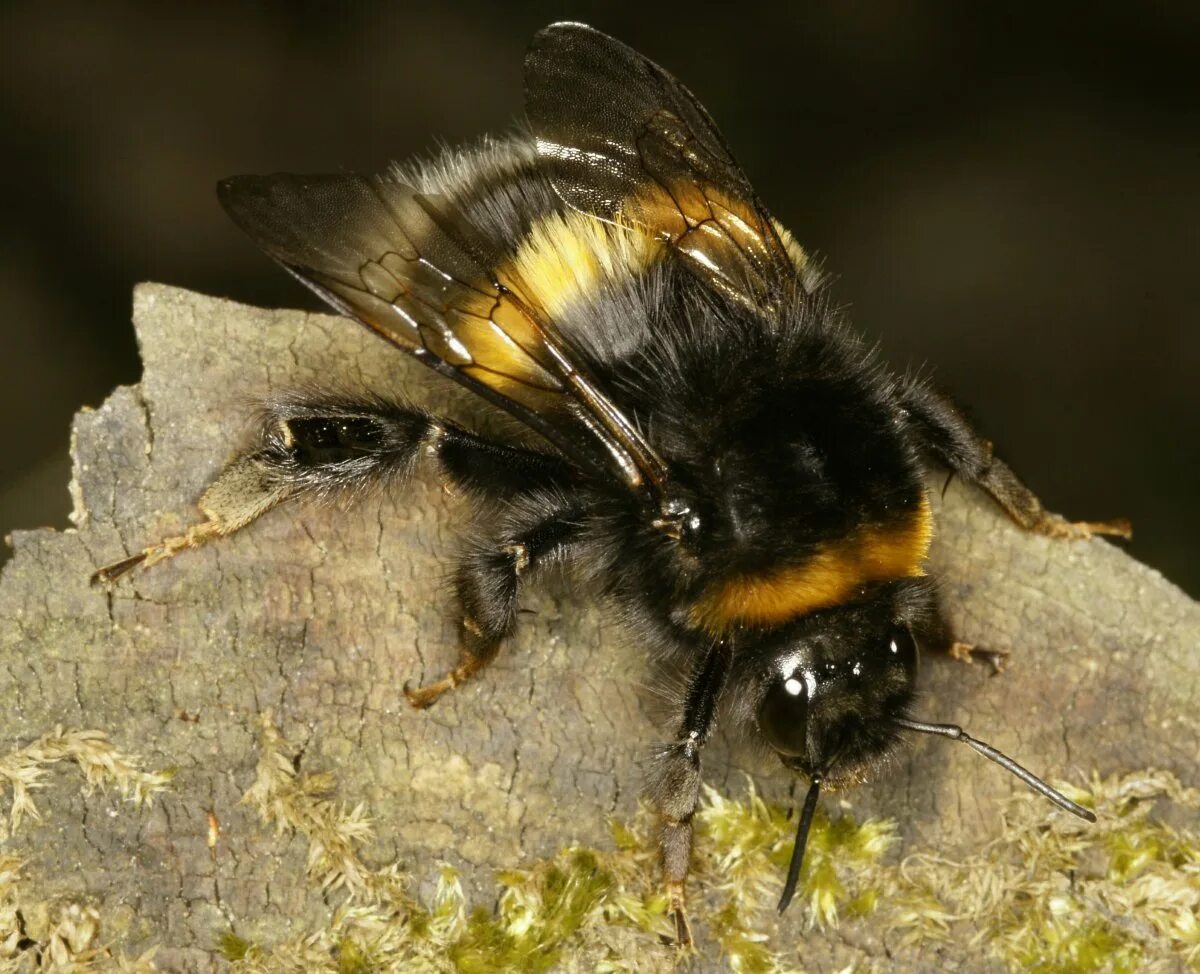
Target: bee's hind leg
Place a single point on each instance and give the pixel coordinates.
(674, 779)
(324, 444)
(489, 582)
(950, 439)
(243, 492)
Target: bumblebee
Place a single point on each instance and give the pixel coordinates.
(718, 456)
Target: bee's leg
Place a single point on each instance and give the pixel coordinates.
(950, 438)
(997, 659)
(674, 778)
(1023, 506)
(933, 633)
(324, 446)
(489, 582)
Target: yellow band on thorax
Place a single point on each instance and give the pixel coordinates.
(569, 256)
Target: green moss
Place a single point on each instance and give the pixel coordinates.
(1132, 852)
(540, 911)
(1039, 898)
(750, 845)
(864, 904)
(233, 947)
(418, 924)
(353, 959)
(1089, 947)
(744, 950)
(1059, 895)
(624, 838)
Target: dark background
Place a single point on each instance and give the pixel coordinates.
(1009, 192)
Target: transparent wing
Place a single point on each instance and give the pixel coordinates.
(411, 268)
(623, 140)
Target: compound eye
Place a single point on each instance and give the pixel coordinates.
(903, 650)
(783, 716)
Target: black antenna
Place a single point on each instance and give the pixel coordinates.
(954, 732)
(806, 817)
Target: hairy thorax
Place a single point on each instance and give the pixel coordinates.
(806, 489)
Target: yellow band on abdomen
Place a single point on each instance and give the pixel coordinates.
(835, 574)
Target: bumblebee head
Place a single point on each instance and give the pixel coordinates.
(830, 714)
(827, 690)
(830, 695)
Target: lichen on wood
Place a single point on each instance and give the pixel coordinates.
(475, 828)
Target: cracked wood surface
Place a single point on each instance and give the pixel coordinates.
(321, 614)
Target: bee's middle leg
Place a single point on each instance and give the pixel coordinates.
(674, 778)
(489, 583)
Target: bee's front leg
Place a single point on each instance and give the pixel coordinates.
(674, 778)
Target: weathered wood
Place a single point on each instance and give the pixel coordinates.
(319, 615)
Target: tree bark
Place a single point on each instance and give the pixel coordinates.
(316, 616)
